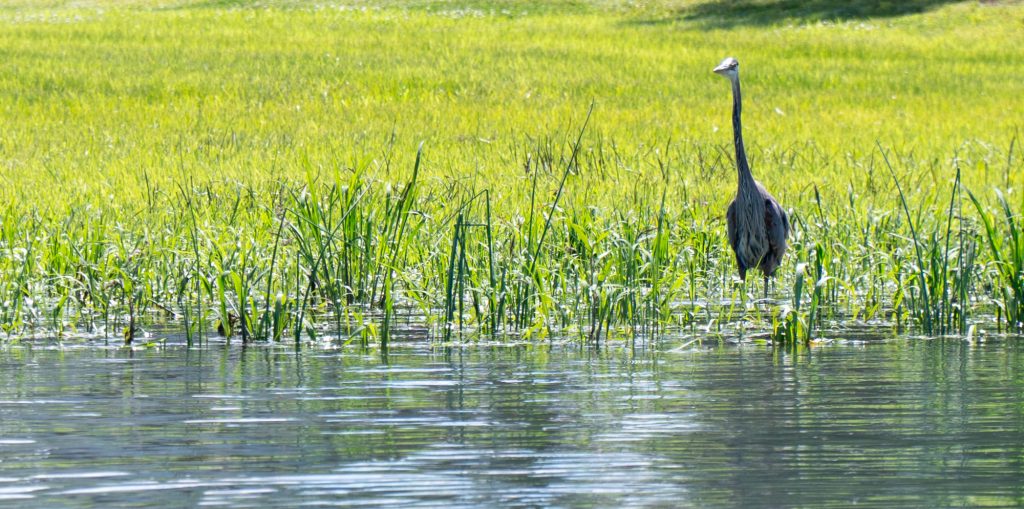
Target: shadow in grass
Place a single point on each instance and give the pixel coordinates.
(729, 13)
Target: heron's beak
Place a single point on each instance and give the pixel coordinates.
(720, 69)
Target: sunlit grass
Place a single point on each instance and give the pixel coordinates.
(251, 164)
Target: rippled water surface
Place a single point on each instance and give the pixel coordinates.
(912, 423)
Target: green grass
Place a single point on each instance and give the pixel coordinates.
(252, 164)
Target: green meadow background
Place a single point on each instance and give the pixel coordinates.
(152, 153)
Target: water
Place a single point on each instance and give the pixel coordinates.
(929, 423)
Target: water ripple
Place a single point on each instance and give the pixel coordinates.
(934, 423)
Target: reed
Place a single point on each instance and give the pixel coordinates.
(1007, 249)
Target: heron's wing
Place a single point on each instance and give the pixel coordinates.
(730, 220)
(777, 224)
(734, 235)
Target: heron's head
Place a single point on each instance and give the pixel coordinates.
(730, 68)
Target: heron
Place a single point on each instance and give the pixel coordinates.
(758, 225)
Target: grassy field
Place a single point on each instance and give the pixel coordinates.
(253, 167)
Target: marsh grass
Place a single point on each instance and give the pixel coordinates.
(1002, 231)
(269, 187)
(940, 290)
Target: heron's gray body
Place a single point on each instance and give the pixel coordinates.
(762, 246)
(758, 225)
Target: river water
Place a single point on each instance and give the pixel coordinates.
(926, 423)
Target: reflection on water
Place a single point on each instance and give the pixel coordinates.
(916, 423)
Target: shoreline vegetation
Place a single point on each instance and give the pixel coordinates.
(350, 171)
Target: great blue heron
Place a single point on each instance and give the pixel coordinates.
(758, 225)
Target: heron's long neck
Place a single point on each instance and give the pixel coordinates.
(737, 132)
